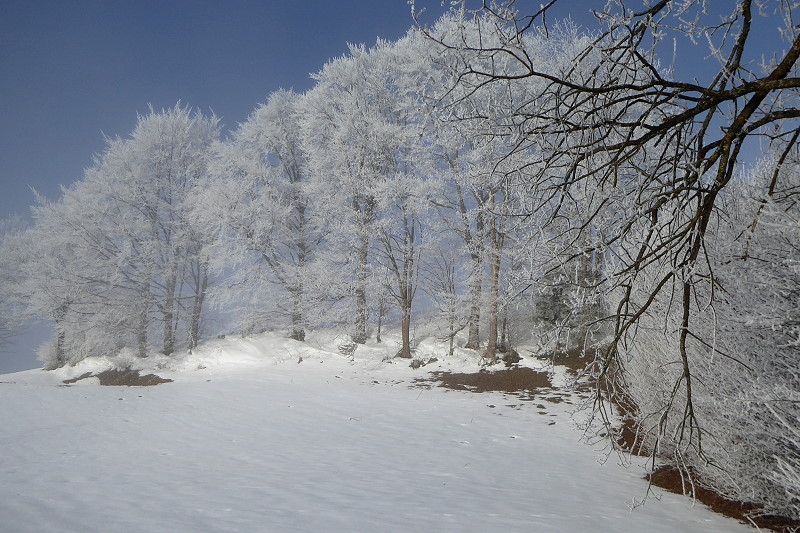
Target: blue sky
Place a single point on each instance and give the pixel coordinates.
(74, 71)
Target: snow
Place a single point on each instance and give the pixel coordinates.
(247, 438)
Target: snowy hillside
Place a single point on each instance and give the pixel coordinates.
(269, 434)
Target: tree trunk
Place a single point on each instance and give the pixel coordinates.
(405, 331)
(381, 313)
(359, 335)
(474, 243)
(298, 328)
(452, 338)
(61, 352)
(476, 287)
(168, 310)
(141, 333)
(197, 308)
(496, 240)
(61, 335)
(141, 326)
(504, 333)
(298, 331)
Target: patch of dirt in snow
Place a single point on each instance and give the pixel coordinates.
(671, 479)
(513, 380)
(121, 378)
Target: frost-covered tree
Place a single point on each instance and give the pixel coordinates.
(643, 158)
(744, 348)
(404, 194)
(461, 208)
(457, 128)
(164, 160)
(398, 248)
(116, 261)
(479, 139)
(10, 319)
(361, 130)
(53, 280)
(444, 277)
(346, 160)
(257, 202)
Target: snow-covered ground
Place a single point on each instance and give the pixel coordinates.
(247, 438)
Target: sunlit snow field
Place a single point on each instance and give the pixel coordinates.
(247, 438)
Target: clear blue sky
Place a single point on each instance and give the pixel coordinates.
(72, 71)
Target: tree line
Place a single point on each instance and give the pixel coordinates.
(337, 207)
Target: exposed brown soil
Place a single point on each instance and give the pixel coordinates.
(627, 436)
(628, 439)
(670, 479)
(122, 378)
(513, 380)
(575, 359)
